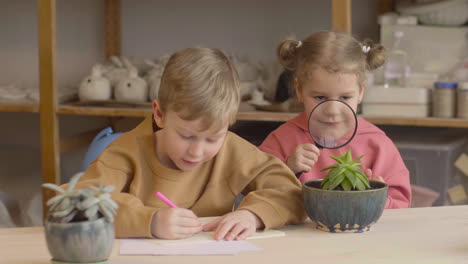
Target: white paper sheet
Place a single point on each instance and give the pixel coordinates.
(205, 237)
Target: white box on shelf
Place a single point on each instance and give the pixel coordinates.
(396, 102)
(430, 49)
(395, 110)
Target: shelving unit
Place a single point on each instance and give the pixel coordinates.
(49, 109)
(22, 107)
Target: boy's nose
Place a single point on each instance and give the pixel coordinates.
(196, 149)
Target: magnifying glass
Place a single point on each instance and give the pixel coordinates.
(332, 124)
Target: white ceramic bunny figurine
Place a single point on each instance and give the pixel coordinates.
(115, 71)
(153, 78)
(95, 87)
(131, 88)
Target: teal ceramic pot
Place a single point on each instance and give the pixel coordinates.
(80, 242)
(344, 211)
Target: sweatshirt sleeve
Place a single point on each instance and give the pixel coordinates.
(391, 167)
(133, 218)
(274, 194)
(273, 145)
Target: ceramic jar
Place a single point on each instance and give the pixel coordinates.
(444, 99)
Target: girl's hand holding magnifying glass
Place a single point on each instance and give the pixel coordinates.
(303, 158)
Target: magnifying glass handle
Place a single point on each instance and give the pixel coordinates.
(299, 174)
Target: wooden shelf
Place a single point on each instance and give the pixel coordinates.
(103, 111)
(265, 116)
(418, 122)
(19, 106)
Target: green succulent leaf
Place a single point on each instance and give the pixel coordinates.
(63, 213)
(337, 159)
(109, 188)
(335, 181)
(326, 185)
(74, 180)
(360, 186)
(106, 212)
(92, 212)
(347, 157)
(87, 203)
(55, 200)
(358, 159)
(351, 177)
(54, 187)
(362, 178)
(330, 167)
(345, 173)
(346, 185)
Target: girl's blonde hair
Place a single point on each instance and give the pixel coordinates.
(333, 51)
(200, 83)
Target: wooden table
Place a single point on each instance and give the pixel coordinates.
(419, 235)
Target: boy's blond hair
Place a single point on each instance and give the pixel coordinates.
(200, 83)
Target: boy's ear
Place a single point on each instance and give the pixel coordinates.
(298, 90)
(158, 114)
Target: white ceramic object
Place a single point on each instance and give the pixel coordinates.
(153, 79)
(95, 87)
(442, 13)
(132, 88)
(247, 70)
(115, 71)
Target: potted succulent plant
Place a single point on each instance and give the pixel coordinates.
(79, 227)
(345, 200)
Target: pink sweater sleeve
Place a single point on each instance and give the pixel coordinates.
(388, 163)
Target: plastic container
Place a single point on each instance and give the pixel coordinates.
(429, 158)
(444, 99)
(462, 100)
(396, 65)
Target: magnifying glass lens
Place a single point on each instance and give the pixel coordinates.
(332, 124)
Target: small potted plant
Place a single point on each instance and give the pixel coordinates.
(79, 227)
(345, 200)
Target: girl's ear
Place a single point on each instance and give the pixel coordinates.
(298, 89)
(361, 92)
(158, 115)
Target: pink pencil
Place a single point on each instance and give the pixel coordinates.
(165, 200)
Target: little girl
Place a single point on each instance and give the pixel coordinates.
(333, 66)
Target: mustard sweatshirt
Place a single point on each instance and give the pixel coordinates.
(130, 164)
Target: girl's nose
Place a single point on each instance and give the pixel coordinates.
(333, 107)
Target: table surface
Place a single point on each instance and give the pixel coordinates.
(416, 235)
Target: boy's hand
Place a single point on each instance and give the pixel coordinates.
(370, 175)
(237, 225)
(175, 223)
(303, 158)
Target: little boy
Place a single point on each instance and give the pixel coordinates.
(186, 152)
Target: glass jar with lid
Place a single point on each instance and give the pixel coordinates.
(444, 99)
(462, 100)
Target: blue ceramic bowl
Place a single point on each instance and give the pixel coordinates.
(344, 211)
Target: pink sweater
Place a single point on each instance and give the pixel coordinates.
(381, 155)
